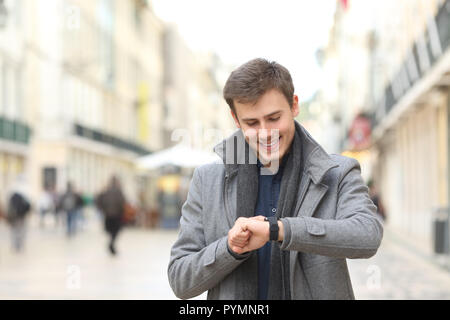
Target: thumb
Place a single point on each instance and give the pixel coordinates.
(247, 233)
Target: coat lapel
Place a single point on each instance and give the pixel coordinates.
(316, 164)
(247, 190)
(311, 200)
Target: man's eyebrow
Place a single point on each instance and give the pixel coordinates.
(266, 116)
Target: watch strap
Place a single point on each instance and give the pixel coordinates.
(273, 228)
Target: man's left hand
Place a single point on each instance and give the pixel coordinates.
(259, 233)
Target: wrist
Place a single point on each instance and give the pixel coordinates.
(267, 233)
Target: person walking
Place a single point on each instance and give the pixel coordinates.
(111, 203)
(278, 218)
(376, 199)
(45, 206)
(70, 203)
(17, 211)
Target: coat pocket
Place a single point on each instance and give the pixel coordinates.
(310, 260)
(209, 256)
(315, 227)
(329, 281)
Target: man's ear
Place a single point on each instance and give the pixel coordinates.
(236, 120)
(295, 106)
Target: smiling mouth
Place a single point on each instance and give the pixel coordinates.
(272, 145)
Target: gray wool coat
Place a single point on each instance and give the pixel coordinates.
(334, 220)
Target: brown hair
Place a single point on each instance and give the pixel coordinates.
(253, 79)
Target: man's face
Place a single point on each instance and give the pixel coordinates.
(268, 125)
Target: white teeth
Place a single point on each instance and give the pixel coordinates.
(270, 145)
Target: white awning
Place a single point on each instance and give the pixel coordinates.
(179, 155)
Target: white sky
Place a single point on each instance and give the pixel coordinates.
(287, 31)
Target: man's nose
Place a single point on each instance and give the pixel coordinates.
(264, 134)
(267, 134)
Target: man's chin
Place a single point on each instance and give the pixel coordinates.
(269, 159)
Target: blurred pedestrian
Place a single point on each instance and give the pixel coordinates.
(376, 199)
(70, 203)
(56, 206)
(45, 205)
(2, 212)
(111, 203)
(18, 208)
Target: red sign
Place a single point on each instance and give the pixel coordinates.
(344, 4)
(359, 134)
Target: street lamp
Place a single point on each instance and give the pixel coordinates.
(3, 14)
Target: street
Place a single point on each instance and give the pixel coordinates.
(55, 267)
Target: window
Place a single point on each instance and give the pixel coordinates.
(2, 88)
(14, 8)
(137, 11)
(107, 54)
(10, 93)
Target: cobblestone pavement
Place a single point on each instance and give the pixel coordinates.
(397, 273)
(54, 267)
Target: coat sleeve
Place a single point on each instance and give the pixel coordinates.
(194, 265)
(355, 233)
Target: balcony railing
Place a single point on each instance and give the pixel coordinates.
(14, 131)
(101, 137)
(424, 53)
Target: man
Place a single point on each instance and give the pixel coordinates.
(376, 199)
(18, 209)
(317, 206)
(71, 203)
(111, 203)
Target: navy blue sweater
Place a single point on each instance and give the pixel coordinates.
(268, 194)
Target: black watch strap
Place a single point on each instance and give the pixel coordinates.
(273, 228)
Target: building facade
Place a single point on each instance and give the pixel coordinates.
(89, 86)
(95, 87)
(390, 61)
(411, 120)
(15, 117)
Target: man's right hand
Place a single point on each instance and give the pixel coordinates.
(238, 236)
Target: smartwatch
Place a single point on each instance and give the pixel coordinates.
(273, 228)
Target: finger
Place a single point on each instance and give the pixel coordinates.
(247, 234)
(239, 242)
(244, 235)
(238, 245)
(237, 250)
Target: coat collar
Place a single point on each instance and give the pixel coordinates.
(317, 161)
